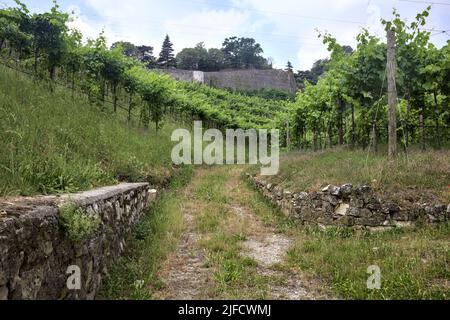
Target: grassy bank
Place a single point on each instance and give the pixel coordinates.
(53, 142)
(420, 176)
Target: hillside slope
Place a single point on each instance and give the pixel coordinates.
(52, 142)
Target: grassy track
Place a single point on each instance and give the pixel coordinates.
(211, 239)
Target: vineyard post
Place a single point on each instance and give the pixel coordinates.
(288, 137)
(392, 93)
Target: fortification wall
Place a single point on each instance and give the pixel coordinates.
(250, 79)
(35, 251)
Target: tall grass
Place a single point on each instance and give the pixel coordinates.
(53, 142)
(420, 176)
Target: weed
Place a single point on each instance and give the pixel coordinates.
(77, 224)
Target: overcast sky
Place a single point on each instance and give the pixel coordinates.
(286, 29)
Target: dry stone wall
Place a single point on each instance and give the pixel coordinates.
(349, 206)
(35, 252)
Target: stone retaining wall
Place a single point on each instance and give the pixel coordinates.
(349, 206)
(35, 252)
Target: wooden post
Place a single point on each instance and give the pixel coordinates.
(353, 127)
(374, 137)
(288, 136)
(392, 94)
(340, 122)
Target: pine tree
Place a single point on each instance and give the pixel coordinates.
(166, 56)
(289, 67)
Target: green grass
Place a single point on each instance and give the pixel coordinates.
(223, 233)
(415, 264)
(134, 276)
(54, 143)
(236, 277)
(422, 176)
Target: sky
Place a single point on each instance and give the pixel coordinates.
(286, 29)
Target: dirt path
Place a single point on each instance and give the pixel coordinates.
(230, 248)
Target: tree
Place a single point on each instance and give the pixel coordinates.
(243, 53)
(143, 53)
(128, 49)
(146, 55)
(215, 60)
(312, 76)
(166, 56)
(193, 58)
(289, 67)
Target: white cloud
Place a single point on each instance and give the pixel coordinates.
(285, 28)
(209, 26)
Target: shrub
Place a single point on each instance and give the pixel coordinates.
(77, 223)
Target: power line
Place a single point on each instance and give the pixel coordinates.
(153, 21)
(427, 2)
(262, 11)
(279, 13)
(439, 32)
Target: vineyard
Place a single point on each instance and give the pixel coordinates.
(76, 114)
(348, 105)
(42, 45)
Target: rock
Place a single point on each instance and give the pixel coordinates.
(287, 194)
(326, 189)
(375, 220)
(48, 248)
(4, 293)
(153, 193)
(403, 224)
(366, 213)
(390, 208)
(335, 191)
(448, 209)
(342, 209)
(401, 216)
(354, 212)
(279, 192)
(346, 190)
(374, 205)
(363, 189)
(356, 202)
(348, 221)
(379, 229)
(3, 279)
(301, 196)
(327, 207)
(332, 199)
